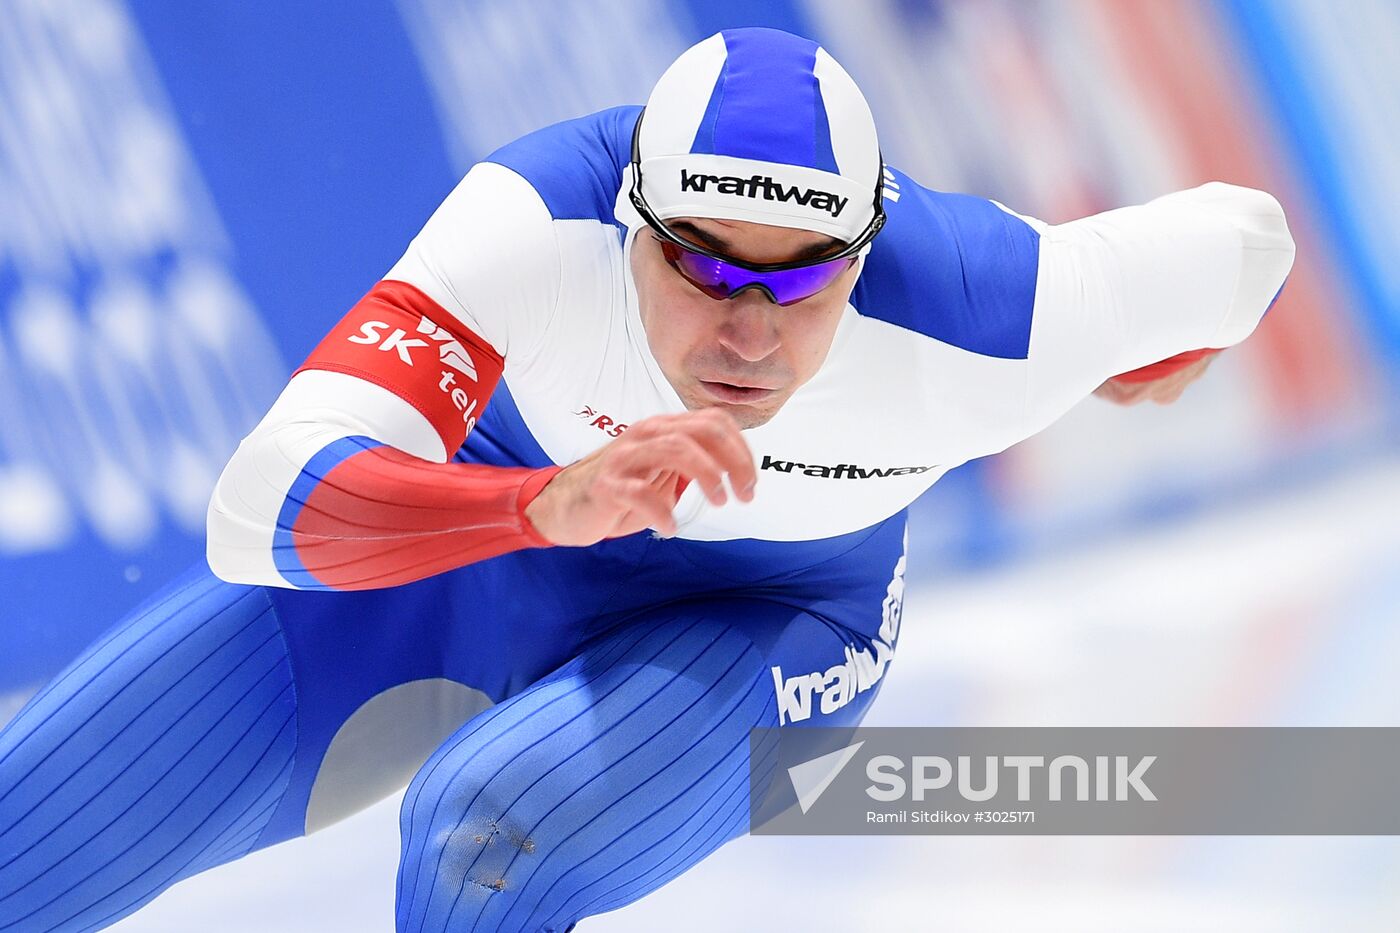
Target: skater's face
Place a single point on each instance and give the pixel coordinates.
(745, 354)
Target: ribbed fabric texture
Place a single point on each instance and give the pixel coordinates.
(591, 788)
(159, 753)
(363, 515)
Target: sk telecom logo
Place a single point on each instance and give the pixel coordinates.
(450, 350)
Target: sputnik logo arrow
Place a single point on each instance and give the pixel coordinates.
(811, 778)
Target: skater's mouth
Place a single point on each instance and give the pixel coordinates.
(732, 392)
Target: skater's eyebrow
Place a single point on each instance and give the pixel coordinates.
(721, 245)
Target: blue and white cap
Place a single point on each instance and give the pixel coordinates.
(763, 126)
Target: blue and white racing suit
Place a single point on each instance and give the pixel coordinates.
(572, 723)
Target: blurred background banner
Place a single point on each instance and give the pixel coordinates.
(191, 193)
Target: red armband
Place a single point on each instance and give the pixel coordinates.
(1164, 368)
(363, 515)
(400, 339)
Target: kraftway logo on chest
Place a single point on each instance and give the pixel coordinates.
(840, 471)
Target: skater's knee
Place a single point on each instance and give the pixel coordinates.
(482, 841)
(468, 851)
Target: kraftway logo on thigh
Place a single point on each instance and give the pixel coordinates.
(829, 690)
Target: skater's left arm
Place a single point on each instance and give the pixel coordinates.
(1135, 302)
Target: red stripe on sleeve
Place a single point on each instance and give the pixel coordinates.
(1164, 368)
(384, 517)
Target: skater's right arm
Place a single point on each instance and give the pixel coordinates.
(348, 481)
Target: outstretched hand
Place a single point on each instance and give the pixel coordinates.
(634, 481)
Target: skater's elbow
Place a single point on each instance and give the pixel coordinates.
(239, 550)
(241, 529)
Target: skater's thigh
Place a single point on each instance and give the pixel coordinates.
(383, 677)
(161, 751)
(614, 773)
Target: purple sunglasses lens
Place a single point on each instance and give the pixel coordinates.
(720, 279)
